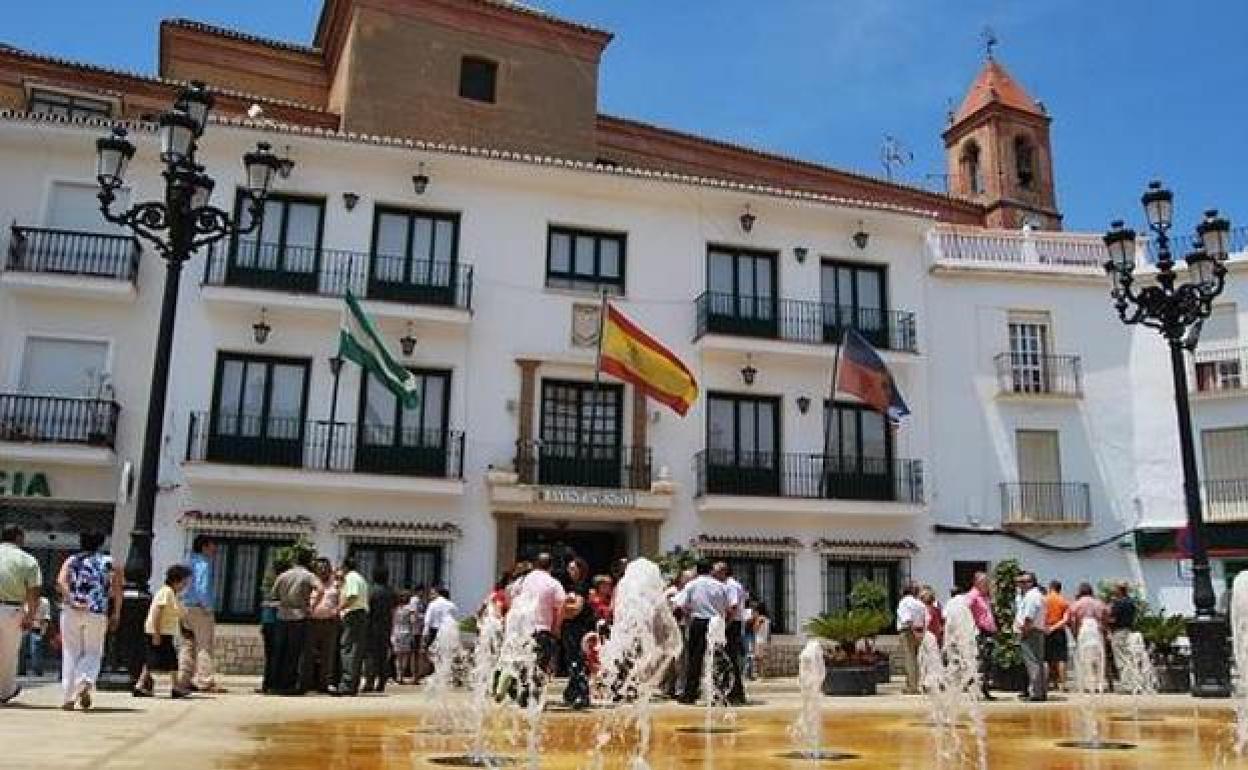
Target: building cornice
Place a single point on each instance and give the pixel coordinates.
(510, 156)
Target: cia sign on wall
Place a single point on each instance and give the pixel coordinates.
(24, 484)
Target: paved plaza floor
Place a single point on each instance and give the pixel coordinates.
(220, 731)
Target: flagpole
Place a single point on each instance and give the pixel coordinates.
(829, 415)
(335, 365)
(593, 407)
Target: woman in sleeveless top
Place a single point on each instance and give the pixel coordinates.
(91, 591)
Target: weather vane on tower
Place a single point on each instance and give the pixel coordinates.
(990, 41)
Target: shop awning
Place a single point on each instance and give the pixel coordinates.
(1222, 540)
(870, 549)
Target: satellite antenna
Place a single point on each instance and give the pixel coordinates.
(894, 155)
(989, 36)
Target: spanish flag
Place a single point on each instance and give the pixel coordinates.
(630, 354)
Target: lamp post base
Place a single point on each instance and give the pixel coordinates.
(1211, 673)
(127, 644)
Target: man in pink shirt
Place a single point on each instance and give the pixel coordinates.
(981, 610)
(549, 597)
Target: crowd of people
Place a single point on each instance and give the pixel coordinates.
(330, 630)
(574, 614)
(1046, 624)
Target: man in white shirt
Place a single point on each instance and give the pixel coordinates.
(911, 623)
(1029, 625)
(701, 599)
(735, 630)
(439, 612)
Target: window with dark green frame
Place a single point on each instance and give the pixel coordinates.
(581, 429)
(414, 256)
(409, 565)
(585, 260)
(766, 580)
(858, 462)
(840, 576)
(284, 252)
(855, 297)
(742, 444)
(398, 439)
(741, 293)
(240, 570)
(69, 106)
(258, 410)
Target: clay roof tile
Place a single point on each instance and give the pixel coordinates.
(994, 84)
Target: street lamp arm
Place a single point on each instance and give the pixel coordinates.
(145, 219)
(210, 224)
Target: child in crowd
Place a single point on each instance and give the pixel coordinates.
(164, 622)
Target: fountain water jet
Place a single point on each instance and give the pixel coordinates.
(719, 718)
(1239, 633)
(444, 654)
(1090, 686)
(1139, 679)
(807, 730)
(644, 641)
(481, 678)
(950, 681)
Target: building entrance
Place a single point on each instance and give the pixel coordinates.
(598, 547)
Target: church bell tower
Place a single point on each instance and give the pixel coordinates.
(998, 152)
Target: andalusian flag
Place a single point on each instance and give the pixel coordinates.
(630, 354)
(359, 341)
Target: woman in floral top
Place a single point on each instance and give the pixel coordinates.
(91, 592)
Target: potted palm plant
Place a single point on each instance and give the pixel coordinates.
(850, 660)
(1160, 631)
(869, 595)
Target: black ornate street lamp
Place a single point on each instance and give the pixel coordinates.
(177, 227)
(1177, 310)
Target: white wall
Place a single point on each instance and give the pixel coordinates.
(1118, 438)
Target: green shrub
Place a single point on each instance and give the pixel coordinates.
(1006, 653)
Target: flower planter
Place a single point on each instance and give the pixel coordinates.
(850, 680)
(1173, 676)
(883, 671)
(1012, 679)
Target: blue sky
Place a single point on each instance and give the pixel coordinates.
(1137, 88)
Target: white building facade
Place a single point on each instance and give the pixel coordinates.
(1042, 428)
(1035, 412)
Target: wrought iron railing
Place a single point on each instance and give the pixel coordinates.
(55, 419)
(331, 272)
(320, 445)
(1046, 503)
(802, 320)
(1220, 369)
(71, 252)
(1030, 374)
(1226, 500)
(811, 476)
(578, 465)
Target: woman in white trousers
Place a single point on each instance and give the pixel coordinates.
(91, 589)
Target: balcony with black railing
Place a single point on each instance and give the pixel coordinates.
(72, 253)
(319, 445)
(1046, 503)
(808, 476)
(804, 321)
(1221, 371)
(1027, 374)
(1226, 500)
(577, 465)
(332, 272)
(58, 420)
